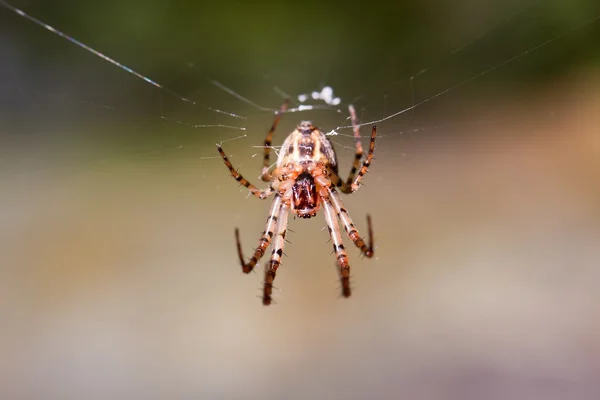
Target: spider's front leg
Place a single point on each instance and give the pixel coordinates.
(353, 182)
(261, 194)
(264, 172)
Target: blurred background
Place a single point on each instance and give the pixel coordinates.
(118, 272)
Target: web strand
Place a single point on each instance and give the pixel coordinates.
(110, 60)
(485, 72)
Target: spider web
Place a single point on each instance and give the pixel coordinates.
(525, 36)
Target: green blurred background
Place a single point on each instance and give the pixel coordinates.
(119, 277)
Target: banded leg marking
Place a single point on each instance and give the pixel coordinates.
(276, 254)
(265, 237)
(359, 149)
(261, 194)
(264, 173)
(349, 226)
(352, 183)
(338, 247)
(367, 163)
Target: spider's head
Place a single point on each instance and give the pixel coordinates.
(304, 196)
(306, 127)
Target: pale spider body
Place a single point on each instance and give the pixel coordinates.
(305, 179)
(305, 156)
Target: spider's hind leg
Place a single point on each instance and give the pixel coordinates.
(265, 237)
(338, 247)
(276, 254)
(349, 226)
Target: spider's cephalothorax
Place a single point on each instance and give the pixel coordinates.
(305, 178)
(304, 158)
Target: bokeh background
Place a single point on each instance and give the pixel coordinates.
(118, 272)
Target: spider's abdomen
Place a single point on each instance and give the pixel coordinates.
(304, 196)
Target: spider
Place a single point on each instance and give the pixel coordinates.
(305, 178)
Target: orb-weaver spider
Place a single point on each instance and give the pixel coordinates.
(305, 178)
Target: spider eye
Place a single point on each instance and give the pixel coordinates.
(306, 127)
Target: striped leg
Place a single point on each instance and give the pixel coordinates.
(265, 237)
(353, 182)
(261, 194)
(359, 148)
(366, 164)
(349, 226)
(264, 173)
(276, 254)
(338, 247)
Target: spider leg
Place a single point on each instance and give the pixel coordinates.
(338, 247)
(264, 173)
(349, 226)
(353, 182)
(276, 254)
(366, 164)
(265, 237)
(359, 149)
(261, 194)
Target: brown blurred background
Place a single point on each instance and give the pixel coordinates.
(119, 277)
